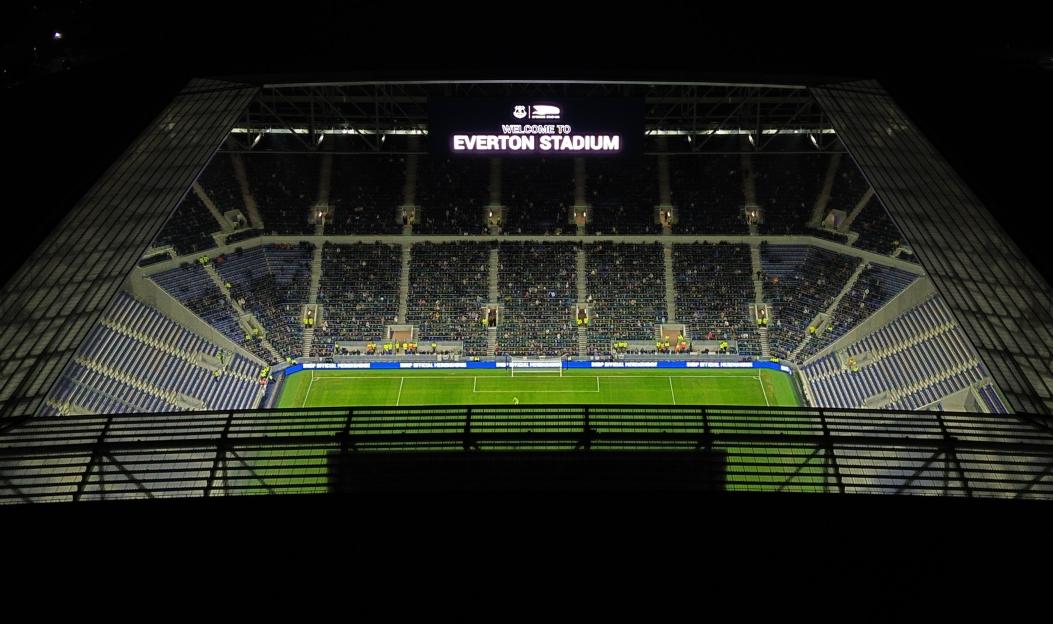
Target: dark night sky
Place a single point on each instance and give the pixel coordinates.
(981, 91)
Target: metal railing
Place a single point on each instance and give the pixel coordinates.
(195, 454)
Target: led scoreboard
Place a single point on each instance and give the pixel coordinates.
(535, 127)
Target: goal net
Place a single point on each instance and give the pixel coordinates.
(533, 365)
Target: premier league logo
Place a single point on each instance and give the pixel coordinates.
(519, 112)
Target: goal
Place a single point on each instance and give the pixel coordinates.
(530, 365)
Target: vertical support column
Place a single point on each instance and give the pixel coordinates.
(409, 189)
(579, 182)
(97, 454)
(749, 188)
(580, 266)
(468, 442)
(950, 452)
(346, 443)
(819, 211)
(224, 225)
(581, 204)
(494, 294)
(251, 208)
(495, 181)
(324, 178)
(221, 457)
(495, 195)
(404, 281)
(867, 197)
(588, 434)
(828, 451)
(670, 282)
(665, 193)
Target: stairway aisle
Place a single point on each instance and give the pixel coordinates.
(583, 340)
(670, 283)
(240, 311)
(491, 332)
(758, 297)
(404, 276)
(833, 305)
(312, 297)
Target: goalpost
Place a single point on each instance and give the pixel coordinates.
(531, 365)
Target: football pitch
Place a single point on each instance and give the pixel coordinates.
(747, 468)
(407, 387)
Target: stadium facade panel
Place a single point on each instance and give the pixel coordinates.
(51, 303)
(999, 298)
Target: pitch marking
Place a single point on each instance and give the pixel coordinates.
(475, 389)
(308, 390)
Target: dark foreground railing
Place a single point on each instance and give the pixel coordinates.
(686, 448)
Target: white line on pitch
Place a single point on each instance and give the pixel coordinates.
(308, 390)
(537, 391)
(399, 397)
(671, 389)
(763, 391)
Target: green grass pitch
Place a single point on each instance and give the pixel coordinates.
(335, 388)
(304, 470)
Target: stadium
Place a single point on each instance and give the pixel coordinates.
(334, 287)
